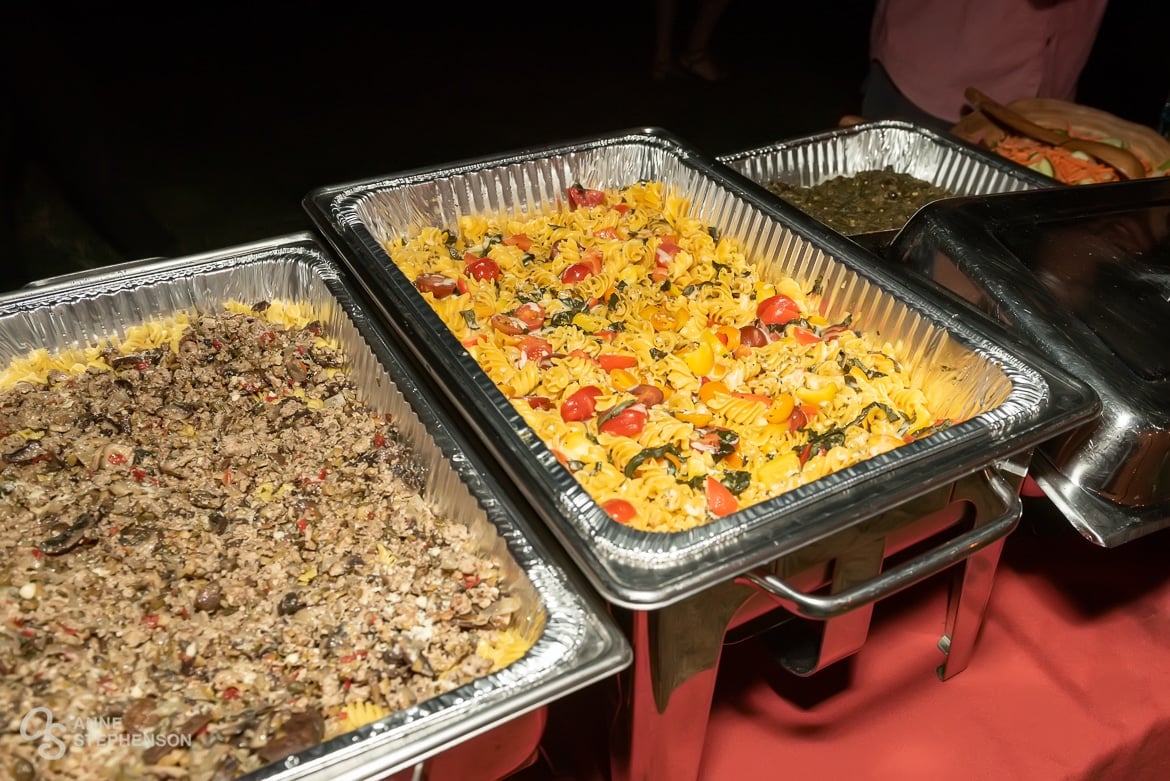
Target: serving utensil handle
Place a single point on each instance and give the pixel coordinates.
(920, 567)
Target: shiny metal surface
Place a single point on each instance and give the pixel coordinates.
(1008, 402)
(865, 593)
(1082, 275)
(906, 148)
(668, 690)
(576, 643)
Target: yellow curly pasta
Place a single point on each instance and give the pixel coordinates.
(674, 381)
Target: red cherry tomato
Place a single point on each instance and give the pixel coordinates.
(720, 501)
(753, 336)
(580, 196)
(581, 404)
(628, 422)
(611, 361)
(532, 314)
(800, 416)
(519, 240)
(509, 325)
(804, 336)
(534, 348)
(620, 510)
(539, 402)
(436, 284)
(593, 256)
(777, 310)
(647, 394)
(575, 273)
(797, 419)
(483, 269)
(667, 249)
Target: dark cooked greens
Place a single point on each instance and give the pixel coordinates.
(868, 202)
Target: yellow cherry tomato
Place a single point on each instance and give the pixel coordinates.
(817, 396)
(781, 408)
(701, 359)
(708, 390)
(730, 336)
(697, 419)
(622, 379)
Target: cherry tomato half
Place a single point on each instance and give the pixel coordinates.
(509, 325)
(800, 416)
(436, 284)
(580, 196)
(629, 422)
(620, 510)
(667, 249)
(575, 273)
(753, 336)
(647, 394)
(580, 404)
(804, 336)
(519, 240)
(534, 348)
(483, 269)
(720, 501)
(777, 310)
(611, 361)
(532, 314)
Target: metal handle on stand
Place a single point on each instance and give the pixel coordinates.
(907, 574)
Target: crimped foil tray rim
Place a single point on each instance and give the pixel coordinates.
(615, 567)
(973, 156)
(579, 644)
(958, 146)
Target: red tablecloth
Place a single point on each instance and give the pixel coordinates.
(1070, 680)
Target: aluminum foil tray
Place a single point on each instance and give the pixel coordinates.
(1010, 402)
(1083, 275)
(962, 168)
(575, 641)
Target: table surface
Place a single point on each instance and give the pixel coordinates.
(1070, 680)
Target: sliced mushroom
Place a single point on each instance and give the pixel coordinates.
(26, 453)
(302, 731)
(66, 536)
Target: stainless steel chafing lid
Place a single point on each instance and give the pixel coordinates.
(575, 641)
(1083, 274)
(1008, 402)
(962, 168)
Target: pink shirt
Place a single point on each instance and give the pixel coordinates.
(1009, 49)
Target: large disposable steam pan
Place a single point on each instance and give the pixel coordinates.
(1010, 401)
(574, 641)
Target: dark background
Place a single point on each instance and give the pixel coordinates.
(143, 131)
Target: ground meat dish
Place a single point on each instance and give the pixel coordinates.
(868, 202)
(219, 546)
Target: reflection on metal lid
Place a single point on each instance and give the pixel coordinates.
(1084, 275)
(1113, 273)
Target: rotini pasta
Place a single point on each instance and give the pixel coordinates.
(671, 379)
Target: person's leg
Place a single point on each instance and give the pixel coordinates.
(698, 58)
(664, 23)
